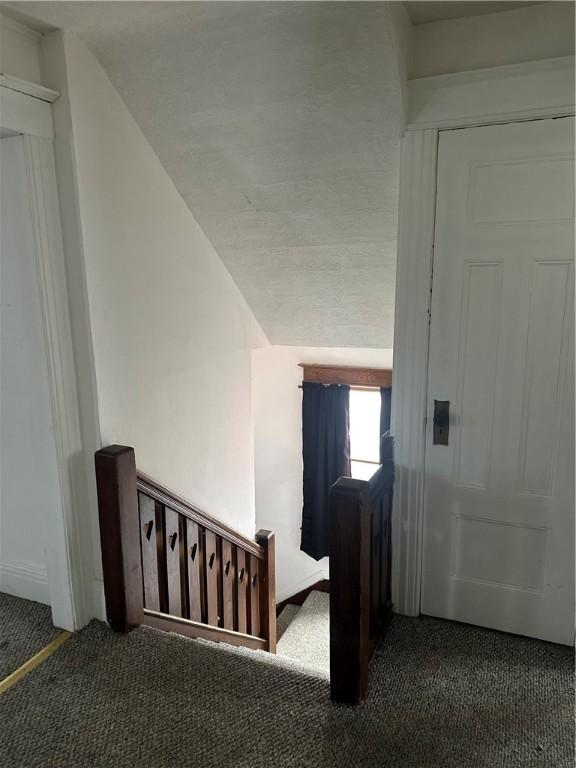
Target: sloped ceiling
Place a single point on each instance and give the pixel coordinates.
(425, 11)
(279, 124)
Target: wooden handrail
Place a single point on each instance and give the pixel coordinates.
(170, 499)
(360, 569)
(169, 564)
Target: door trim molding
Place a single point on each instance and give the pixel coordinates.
(511, 93)
(68, 551)
(417, 208)
(28, 88)
(497, 95)
(23, 113)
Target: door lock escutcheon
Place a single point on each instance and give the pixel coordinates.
(441, 422)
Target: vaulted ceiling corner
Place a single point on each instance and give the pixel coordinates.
(279, 123)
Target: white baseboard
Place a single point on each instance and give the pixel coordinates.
(287, 590)
(26, 580)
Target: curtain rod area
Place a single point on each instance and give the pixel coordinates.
(345, 374)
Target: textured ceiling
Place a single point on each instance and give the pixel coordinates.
(431, 10)
(279, 124)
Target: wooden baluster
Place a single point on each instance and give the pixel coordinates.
(160, 514)
(254, 588)
(234, 587)
(119, 536)
(268, 588)
(383, 555)
(183, 560)
(211, 575)
(202, 566)
(241, 590)
(227, 577)
(375, 570)
(172, 549)
(194, 579)
(219, 566)
(147, 510)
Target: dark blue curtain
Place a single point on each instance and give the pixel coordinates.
(326, 455)
(385, 408)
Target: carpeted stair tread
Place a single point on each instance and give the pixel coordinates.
(283, 663)
(25, 628)
(307, 639)
(285, 619)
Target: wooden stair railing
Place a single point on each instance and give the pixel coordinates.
(360, 571)
(169, 565)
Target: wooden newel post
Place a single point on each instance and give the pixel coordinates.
(349, 547)
(120, 536)
(268, 589)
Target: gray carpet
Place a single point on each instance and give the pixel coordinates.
(25, 628)
(307, 638)
(441, 694)
(285, 619)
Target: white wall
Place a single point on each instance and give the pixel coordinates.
(19, 51)
(536, 32)
(29, 484)
(170, 332)
(402, 39)
(278, 451)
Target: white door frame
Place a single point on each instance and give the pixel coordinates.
(25, 109)
(512, 93)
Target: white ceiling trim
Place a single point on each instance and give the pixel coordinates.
(431, 11)
(30, 89)
(22, 113)
(530, 91)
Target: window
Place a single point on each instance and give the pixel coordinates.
(364, 431)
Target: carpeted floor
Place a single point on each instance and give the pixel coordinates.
(25, 628)
(441, 694)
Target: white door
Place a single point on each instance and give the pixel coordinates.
(499, 498)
